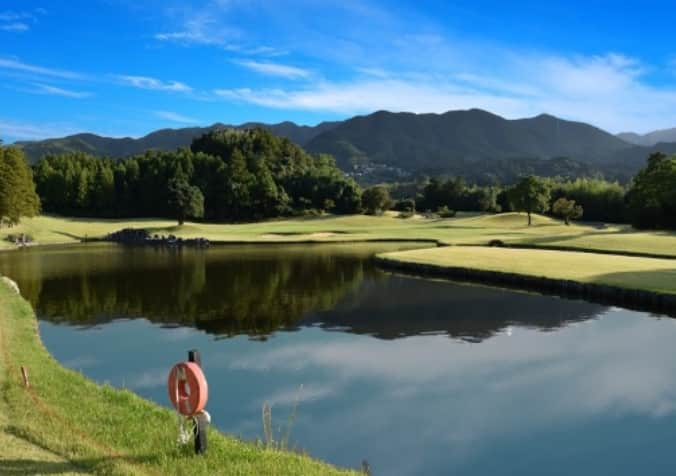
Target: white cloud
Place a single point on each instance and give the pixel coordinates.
(16, 27)
(363, 96)
(18, 22)
(145, 82)
(54, 91)
(302, 393)
(13, 16)
(31, 131)
(149, 379)
(203, 27)
(275, 69)
(175, 117)
(609, 91)
(16, 65)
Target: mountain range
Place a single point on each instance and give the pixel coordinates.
(650, 139)
(384, 145)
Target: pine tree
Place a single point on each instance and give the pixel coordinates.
(17, 189)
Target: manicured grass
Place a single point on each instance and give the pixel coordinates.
(466, 229)
(68, 424)
(651, 274)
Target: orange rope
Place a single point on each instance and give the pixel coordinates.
(46, 410)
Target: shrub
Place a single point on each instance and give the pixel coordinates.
(444, 212)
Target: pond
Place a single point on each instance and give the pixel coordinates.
(417, 377)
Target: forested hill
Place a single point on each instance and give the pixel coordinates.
(161, 140)
(430, 141)
(387, 145)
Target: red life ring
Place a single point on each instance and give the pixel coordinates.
(188, 390)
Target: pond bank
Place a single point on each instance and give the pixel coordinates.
(639, 283)
(68, 422)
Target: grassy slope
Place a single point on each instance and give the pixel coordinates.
(468, 229)
(69, 424)
(623, 271)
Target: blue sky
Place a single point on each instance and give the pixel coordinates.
(123, 67)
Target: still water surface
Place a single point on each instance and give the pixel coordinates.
(418, 377)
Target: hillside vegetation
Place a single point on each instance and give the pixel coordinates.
(475, 144)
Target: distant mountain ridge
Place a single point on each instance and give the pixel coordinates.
(162, 139)
(650, 139)
(456, 142)
(429, 141)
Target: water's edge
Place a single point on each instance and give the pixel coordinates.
(636, 299)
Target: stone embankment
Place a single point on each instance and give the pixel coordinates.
(138, 236)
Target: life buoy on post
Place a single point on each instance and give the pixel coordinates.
(188, 390)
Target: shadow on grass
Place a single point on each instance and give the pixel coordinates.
(30, 466)
(67, 235)
(20, 466)
(659, 280)
(563, 238)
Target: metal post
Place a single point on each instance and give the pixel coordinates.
(200, 423)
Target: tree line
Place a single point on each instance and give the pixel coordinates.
(244, 175)
(225, 175)
(649, 201)
(601, 200)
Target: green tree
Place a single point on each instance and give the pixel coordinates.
(185, 200)
(652, 197)
(376, 200)
(17, 189)
(406, 205)
(531, 195)
(567, 209)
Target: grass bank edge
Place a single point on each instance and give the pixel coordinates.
(104, 430)
(466, 229)
(625, 280)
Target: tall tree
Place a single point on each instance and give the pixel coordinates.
(17, 189)
(652, 197)
(376, 200)
(531, 195)
(567, 209)
(185, 200)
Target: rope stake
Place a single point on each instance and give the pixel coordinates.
(24, 376)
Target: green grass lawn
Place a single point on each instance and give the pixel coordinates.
(74, 426)
(120, 433)
(465, 229)
(650, 274)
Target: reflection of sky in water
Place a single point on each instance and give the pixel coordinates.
(596, 397)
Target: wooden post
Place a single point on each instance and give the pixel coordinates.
(200, 423)
(24, 375)
(194, 356)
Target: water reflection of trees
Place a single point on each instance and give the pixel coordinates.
(257, 290)
(221, 291)
(404, 306)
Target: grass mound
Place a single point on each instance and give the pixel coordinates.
(510, 220)
(69, 423)
(476, 229)
(649, 274)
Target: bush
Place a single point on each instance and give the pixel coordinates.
(19, 238)
(406, 205)
(444, 212)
